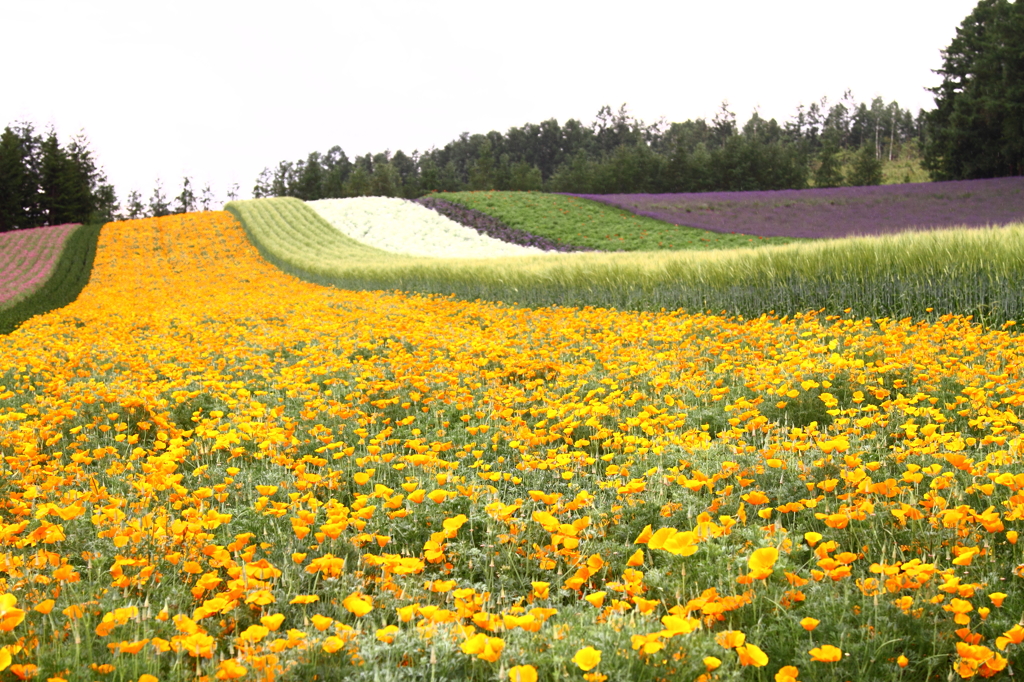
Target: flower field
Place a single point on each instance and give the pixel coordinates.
(405, 227)
(27, 259)
(42, 268)
(213, 470)
(591, 224)
(491, 226)
(976, 272)
(838, 212)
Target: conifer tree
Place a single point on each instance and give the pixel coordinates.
(158, 204)
(15, 182)
(977, 127)
(186, 201)
(828, 174)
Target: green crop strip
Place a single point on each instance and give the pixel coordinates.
(70, 275)
(593, 225)
(976, 272)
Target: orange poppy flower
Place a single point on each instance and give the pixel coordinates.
(587, 658)
(826, 653)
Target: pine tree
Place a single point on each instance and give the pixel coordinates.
(186, 201)
(158, 204)
(86, 196)
(53, 181)
(15, 182)
(105, 205)
(828, 173)
(977, 127)
(206, 198)
(135, 208)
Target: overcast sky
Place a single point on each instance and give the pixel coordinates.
(218, 90)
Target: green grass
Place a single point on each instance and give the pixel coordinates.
(914, 274)
(70, 275)
(593, 225)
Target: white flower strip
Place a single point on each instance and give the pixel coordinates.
(403, 227)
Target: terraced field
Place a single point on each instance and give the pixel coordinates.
(27, 259)
(42, 269)
(836, 212)
(407, 228)
(977, 272)
(589, 224)
(254, 447)
(215, 470)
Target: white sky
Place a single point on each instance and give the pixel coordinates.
(219, 89)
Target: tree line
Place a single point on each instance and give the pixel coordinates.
(190, 198)
(975, 131)
(823, 145)
(43, 182)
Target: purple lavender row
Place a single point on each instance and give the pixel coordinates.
(836, 212)
(37, 251)
(492, 227)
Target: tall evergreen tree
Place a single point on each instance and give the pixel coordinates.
(50, 183)
(53, 181)
(828, 172)
(186, 201)
(86, 195)
(134, 208)
(16, 185)
(205, 201)
(977, 127)
(105, 205)
(158, 204)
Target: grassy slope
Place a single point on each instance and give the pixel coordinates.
(979, 272)
(590, 224)
(70, 275)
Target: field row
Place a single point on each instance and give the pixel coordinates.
(407, 228)
(912, 274)
(27, 259)
(211, 469)
(593, 225)
(46, 268)
(657, 264)
(838, 212)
